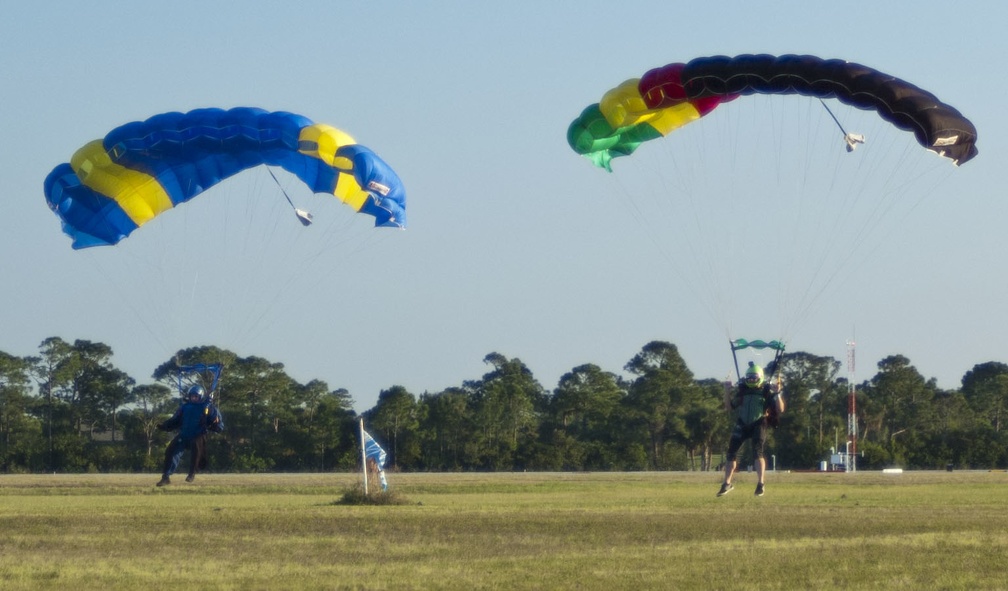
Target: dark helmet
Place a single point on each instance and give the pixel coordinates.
(196, 391)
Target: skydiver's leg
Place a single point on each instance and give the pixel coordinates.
(734, 445)
(173, 453)
(758, 445)
(731, 458)
(196, 451)
(729, 471)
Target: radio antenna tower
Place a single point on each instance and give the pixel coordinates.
(852, 434)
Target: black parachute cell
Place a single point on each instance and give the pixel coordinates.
(936, 125)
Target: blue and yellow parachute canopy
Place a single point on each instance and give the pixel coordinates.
(114, 185)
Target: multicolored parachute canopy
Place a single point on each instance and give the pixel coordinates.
(669, 97)
(114, 185)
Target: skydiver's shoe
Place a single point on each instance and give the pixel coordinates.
(725, 489)
(164, 480)
(759, 490)
(190, 478)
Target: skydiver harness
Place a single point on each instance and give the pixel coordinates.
(756, 403)
(752, 404)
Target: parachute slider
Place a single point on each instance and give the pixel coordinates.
(739, 344)
(756, 344)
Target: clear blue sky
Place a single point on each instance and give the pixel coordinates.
(515, 245)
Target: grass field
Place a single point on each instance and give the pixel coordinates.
(916, 530)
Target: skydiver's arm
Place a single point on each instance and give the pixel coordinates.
(731, 397)
(173, 423)
(774, 395)
(777, 389)
(216, 424)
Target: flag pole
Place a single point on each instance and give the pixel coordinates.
(363, 455)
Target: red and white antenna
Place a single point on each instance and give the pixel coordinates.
(852, 433)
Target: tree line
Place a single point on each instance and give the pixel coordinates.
(69, 409)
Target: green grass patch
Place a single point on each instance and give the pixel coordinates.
(355, 495)
(934, 530)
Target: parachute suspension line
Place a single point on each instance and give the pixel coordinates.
(835, 120)
(303, 216)
(851, 139)
(660, 190)
(141, 314)
(799, 299)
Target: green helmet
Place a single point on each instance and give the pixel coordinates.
(754, 375)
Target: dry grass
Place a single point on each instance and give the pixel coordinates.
(507, 531)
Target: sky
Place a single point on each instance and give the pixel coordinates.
(515, 244)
